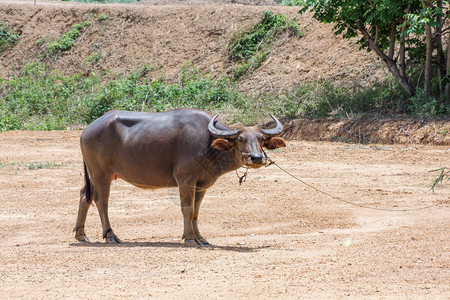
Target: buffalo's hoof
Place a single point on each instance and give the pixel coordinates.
(204, 242)
(113, 240)
(82, 238)
(192, 243)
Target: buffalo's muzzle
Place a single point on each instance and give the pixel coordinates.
(255, 160)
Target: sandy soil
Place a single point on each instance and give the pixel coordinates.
(272, 236)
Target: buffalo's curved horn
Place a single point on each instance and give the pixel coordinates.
(273, 131)
(226, 134)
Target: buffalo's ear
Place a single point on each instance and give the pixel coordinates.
(274, 143)
(222, 145)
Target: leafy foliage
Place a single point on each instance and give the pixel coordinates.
(349, 16)
(323, 99)
(7, 37)
(395, 30)
(67, 40)
(41, 99)
(44, 100)
(252, 46)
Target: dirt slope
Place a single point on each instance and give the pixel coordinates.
(171, 34)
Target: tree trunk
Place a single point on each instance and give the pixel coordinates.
(447, 87)
(400, 76)
(428, 61)
(428, 56)
(440, 66)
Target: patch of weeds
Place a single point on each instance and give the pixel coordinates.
(423, 106)
(340, 140)
(324, 99)
(102, 17)
(42, 165)
(95, 57)
(41, 41)
(252, 46)
(34, 165)
(250, 65)
(7, 37)
(67, 40)
(291, 2)
(103, 1)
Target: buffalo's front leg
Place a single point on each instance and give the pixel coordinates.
(187, 198)
(101, 198)
(198, 200)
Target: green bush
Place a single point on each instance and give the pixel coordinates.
(7, 37)
(45, 100)
(40, 99)
(252, 46)
(66, 41)
(193, 90)
(323, 99)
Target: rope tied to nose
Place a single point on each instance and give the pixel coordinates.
(242, 178)
(271, 162)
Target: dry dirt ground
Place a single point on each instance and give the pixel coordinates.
(272, 236)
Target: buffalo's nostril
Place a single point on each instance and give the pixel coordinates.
(256, 158)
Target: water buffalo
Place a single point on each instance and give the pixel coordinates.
(184, 148)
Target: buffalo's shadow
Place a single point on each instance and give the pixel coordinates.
(167, 245)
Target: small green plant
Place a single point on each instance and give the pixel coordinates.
(102, 17)
(42, 165)
(41, 41)
(250, 65)
(252, 46)
(7, 37)
(95, 57)
(67, 40)
(443, 176)
(104, 1)
(291, 2)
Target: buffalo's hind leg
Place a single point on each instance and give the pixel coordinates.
(198, 200)
(80, 234)
(101, 198)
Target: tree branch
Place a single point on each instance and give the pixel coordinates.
(393, 38)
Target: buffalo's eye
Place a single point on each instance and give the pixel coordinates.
(241, 139)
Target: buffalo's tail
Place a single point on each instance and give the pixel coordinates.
(87, 182)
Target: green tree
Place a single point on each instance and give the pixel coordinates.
(403, 33)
